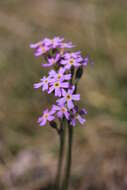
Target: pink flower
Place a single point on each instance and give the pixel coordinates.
(61, 111)
(57, 86)
(52, 61)
(68, 97)
(46, 116)
(60, 75)
(44, 83)
(77, 114)
(68, 63)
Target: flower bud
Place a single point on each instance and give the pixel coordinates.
(79, 73)
(53, 124)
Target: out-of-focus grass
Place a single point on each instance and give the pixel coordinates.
(96, 27)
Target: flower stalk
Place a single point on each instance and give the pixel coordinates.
(61, 154)
(61, 81)
(66, 180)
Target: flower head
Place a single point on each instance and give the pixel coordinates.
(68, 98)
(46, 116)
(85, 61)
(66, 45)
(75, 55)
(60, 75)
(77, 114)
(40, 48)
(68, 63)
(57, 86)
(44, 83)
(54, 43)
(52, 61)
(61, 111)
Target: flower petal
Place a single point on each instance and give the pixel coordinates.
(43, 122)
(70, 104)
(76, 97)
(50, 118)
(38, 85)
(80, 119)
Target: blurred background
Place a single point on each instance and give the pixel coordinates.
(28, 153)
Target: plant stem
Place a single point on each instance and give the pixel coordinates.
(69, 159)
(61, 152)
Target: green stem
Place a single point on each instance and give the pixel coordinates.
(69, 159)
(61, 152)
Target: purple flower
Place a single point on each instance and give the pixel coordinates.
(61, 111)
(44, 83)
(56, 76)
(45, 45)
(68, 63)
(77, 115)
(68, 69)
(52, 61)
(40, 48)
(47, 116)
(85, 61)
(74, 55)
(36, 45)
(83, 111)
(68, 97)
(66, 45)
(79, 118)
(57, 86)
(53, 43)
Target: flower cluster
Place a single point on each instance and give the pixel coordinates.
(61, 79)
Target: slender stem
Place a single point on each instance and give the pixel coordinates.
(69, 159)
(61, 152)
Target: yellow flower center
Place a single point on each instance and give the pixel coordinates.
(63, 109)
(61, 51)
(57, 84)
(53, 61)
(59, 76)
(42, 49)
(45, 115)
(71, 61)
(68, 97)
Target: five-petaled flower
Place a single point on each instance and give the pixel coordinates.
(68, 63)
(61, 111)
(46, 116)
(57, 86)
(60, 75)
(51, 61)
(77, 114)
(68, 97)
(44, 83)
